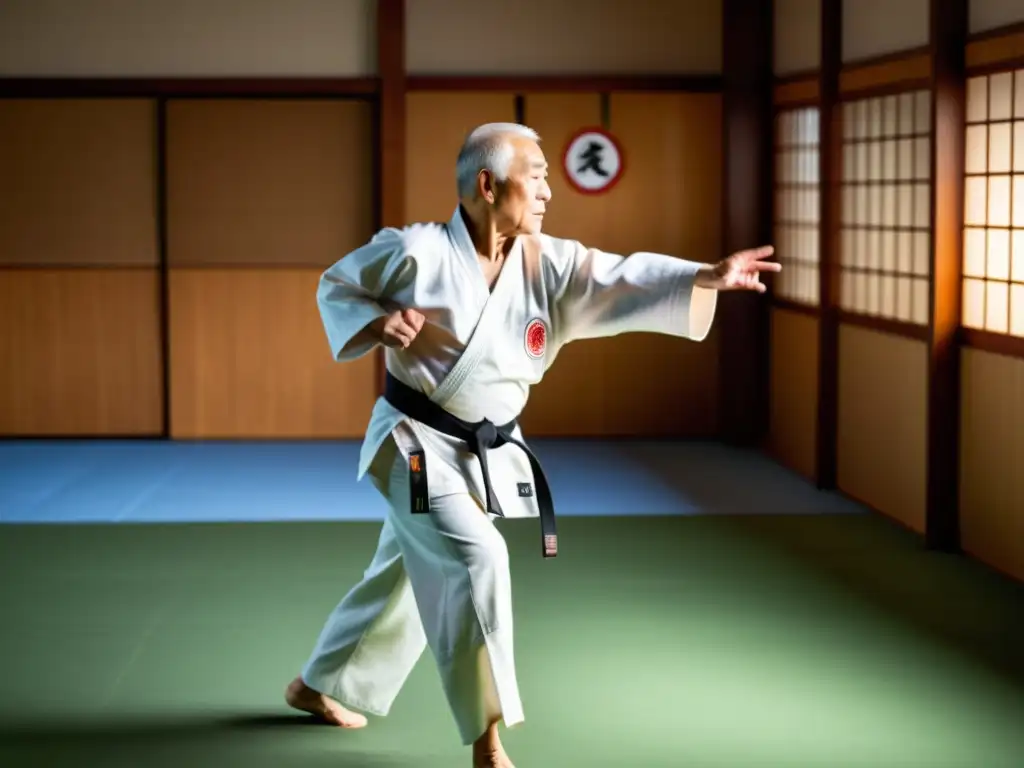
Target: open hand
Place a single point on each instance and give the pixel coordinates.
(740, 272)
(400, 328)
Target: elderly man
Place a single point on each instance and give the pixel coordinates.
(472, 312)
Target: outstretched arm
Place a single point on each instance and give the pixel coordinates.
(604, 294)
(353, 294)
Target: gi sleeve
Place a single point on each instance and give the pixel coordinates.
(603, 294)
(354, 292)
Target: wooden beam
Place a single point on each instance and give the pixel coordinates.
(997, 343)
(831, 170)
(748, 126)
(187, 87)
(996, 50)
(948, 42)
(390, 149)
(568, 83)
(885, 75)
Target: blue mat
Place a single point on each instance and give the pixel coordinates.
(108, 481)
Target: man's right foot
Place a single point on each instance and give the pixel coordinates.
(491, 759)
(488, 751)
(300, 696)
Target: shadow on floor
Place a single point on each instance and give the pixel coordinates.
(252, 741)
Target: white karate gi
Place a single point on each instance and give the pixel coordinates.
(442, 579)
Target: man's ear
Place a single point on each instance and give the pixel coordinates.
(486, 186)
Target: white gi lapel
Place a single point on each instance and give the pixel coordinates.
(493, 315)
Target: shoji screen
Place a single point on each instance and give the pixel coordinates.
(993, 298)
(886, 209)
(797, 196)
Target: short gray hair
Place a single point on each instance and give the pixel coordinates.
(487, 148)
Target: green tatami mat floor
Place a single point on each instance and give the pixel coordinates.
(649, 643)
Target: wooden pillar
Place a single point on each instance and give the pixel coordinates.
(747, 214)
(391, 140)
(948, 42)
(391, 112)
(831, 172)
(162, 251)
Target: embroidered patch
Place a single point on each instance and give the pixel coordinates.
(536, 339)
(418, 496)
(525, 490)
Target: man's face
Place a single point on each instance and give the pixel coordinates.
(521, 200)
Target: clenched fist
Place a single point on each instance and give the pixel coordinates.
(400, 328)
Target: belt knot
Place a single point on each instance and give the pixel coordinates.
(486, 434)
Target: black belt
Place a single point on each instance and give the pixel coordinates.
(479, 436)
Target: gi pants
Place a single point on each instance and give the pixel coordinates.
(439, 580)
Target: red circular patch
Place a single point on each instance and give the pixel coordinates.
(536, 338)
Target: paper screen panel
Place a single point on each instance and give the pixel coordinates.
(797, 205)
(885, 242)
(993, 250)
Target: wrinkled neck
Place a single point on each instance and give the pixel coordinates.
(490, 244)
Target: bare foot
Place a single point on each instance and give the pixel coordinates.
(302, 697)
(488, 751)
(491, 759)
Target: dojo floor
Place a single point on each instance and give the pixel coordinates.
(709, 609)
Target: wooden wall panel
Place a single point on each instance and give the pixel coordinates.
(436, 125)
(668, 201)
(255, 182)
(79, 283)
(883, 422)
(263, 195)
(80, 352)
(77, 181)
(670, 198)
(991, 460)
(249, 359)
(794, 390)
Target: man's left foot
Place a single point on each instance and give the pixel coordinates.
(300, 696)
